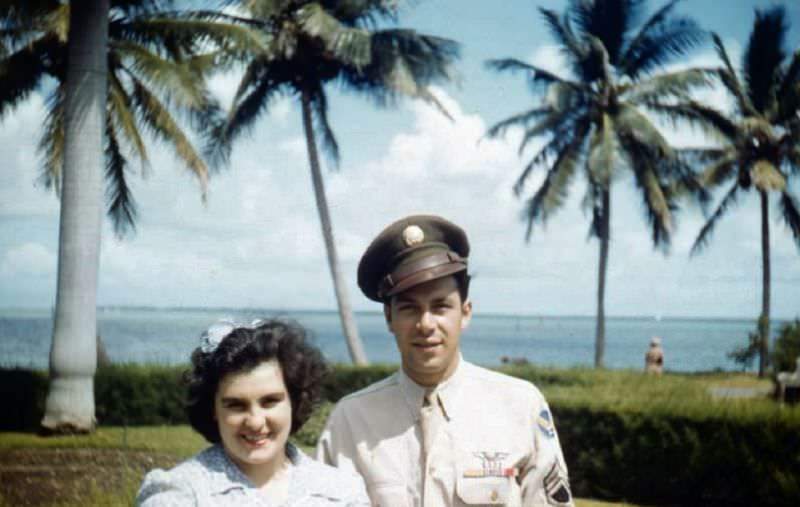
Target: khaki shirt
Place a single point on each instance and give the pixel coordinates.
(498, 446)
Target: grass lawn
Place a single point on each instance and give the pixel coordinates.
(103, 469)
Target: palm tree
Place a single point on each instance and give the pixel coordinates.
(760, 140)
(594, 119)
(154, 65)
(312, 44)
(112, 60)
(70, 399)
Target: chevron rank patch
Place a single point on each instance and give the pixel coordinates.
(556, 485)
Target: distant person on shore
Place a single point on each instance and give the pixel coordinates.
(654, 357)
(441, 432)
(248, 390)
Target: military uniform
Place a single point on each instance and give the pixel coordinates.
(495, 442)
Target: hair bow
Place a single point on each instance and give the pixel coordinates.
(216, 332)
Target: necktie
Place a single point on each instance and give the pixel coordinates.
(431, 421)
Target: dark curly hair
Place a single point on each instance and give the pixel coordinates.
(242, 350)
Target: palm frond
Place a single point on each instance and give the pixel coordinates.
(157, 118)
(253, 73)
(136, 7)
(351, 46)
(763, 57)
(790, 212)
(660, 39)
(669, 84)
(724, 167)
(710, 120)
(406, 62)
(536, 75)
(263, 9)
(647, 165)
(191, 32)
(561, 30)
(244, 112)
(551, 149)
(121, 206)
(789, 92)
(729, 79)
(522, 119)
(792, 158)
(632, 123)
(705, 232)
(176, 81)
(607, 20)
(553, 191)
(558, 123)
(319, 112)
(120, 112)
(22, 72)
(51, 143)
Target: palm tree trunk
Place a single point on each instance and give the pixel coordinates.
(600, 331)
(73, 358)
(349, 328)
(763, 320)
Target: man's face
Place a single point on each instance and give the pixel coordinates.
(427, 321)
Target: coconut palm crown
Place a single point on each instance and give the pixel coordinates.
(593, 117)
(155, 66)
(759, 140)
(314, 44)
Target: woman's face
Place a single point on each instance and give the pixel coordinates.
(254, 416)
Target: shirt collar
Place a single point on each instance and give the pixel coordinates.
(414, 394)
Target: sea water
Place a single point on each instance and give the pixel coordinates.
(167, 336)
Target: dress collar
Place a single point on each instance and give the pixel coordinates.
(224, 474)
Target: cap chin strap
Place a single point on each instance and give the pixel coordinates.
(426, 269)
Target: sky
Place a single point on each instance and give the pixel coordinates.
(257, 243)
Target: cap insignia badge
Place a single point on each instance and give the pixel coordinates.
(413, 235)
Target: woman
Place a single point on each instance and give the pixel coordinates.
(249, 389)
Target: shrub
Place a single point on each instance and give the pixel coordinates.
(23, 393)
(135, 395)
(787, 347)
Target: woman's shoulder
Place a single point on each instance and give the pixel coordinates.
(321, 479)
(183, 483)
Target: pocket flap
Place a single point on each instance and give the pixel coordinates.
(483, 490)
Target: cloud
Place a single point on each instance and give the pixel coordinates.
(20, 192)
(28, 259)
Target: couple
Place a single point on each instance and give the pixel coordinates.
(440, 432)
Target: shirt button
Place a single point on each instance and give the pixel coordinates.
(432, 470)
(493, 495)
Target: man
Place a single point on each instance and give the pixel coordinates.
(440, 432)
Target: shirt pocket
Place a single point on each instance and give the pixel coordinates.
(388, 495)
(484, 490)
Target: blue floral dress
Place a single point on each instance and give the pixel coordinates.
(212, 479)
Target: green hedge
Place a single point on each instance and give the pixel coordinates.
(650, 459)
(648, 440)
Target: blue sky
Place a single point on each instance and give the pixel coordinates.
(257, 241)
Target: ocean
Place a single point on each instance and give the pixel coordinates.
(167, 336)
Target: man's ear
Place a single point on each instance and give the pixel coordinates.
(466, 313)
